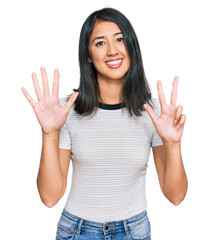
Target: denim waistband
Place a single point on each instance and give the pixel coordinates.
(107, 226)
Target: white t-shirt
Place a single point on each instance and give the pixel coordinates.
(109, 153)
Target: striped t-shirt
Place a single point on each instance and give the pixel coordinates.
(109, 153)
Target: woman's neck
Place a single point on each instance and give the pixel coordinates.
(110, 91)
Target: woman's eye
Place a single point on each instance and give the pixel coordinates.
(120, 39)
(99, 43)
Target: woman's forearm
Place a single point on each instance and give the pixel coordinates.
(175, 180)
(49, 179)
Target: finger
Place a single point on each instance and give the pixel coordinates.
(28, 97)
(182, 121)
(174, 91)
(150, 111)
(36, 86)
(55, 89)
(179, 110)
(71, 101)
(46, 90)
(180, 128)
(161, 94)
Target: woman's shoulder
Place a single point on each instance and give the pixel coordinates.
(155, 101)
(156, 105)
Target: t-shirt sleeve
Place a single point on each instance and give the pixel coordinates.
(156, 139)
(64, 138)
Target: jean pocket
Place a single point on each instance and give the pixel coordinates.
(65, 230)
(140, 230)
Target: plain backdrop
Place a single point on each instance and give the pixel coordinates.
(174, 40)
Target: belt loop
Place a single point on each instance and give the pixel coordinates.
(125, 226)
(79, 225)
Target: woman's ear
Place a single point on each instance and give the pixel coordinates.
(89, 60)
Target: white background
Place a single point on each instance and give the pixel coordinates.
(174, 40)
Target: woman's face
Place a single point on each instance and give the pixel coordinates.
(107, 51)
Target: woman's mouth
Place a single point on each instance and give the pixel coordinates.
(115, 63)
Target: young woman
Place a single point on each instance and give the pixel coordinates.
(110, 148)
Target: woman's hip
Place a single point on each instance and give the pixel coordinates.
(71, 227)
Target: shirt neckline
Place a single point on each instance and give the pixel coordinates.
(111, 106)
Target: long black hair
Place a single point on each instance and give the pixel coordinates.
(136, 90)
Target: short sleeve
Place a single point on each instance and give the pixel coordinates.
(156, 139)
(64, 138)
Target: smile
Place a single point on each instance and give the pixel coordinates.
(115, 64)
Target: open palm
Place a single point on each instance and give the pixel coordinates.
(170, 123)
(50, 114)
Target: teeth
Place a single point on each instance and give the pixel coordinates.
(114, 62)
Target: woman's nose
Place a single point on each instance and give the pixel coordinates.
(112, 49)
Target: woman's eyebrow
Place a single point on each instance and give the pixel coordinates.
(103, 36)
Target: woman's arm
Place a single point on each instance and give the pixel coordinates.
(168, 159)
(50, 181)
(171, 172)
(54, 163)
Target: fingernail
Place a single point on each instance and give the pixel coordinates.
(178, 126)
(175, 121)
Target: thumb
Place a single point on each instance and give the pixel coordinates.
(71, 101)
(151, 113)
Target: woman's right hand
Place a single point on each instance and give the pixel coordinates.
(50, 114)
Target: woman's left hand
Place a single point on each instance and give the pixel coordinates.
(171, 122)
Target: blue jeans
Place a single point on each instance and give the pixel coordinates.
(71, 227)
